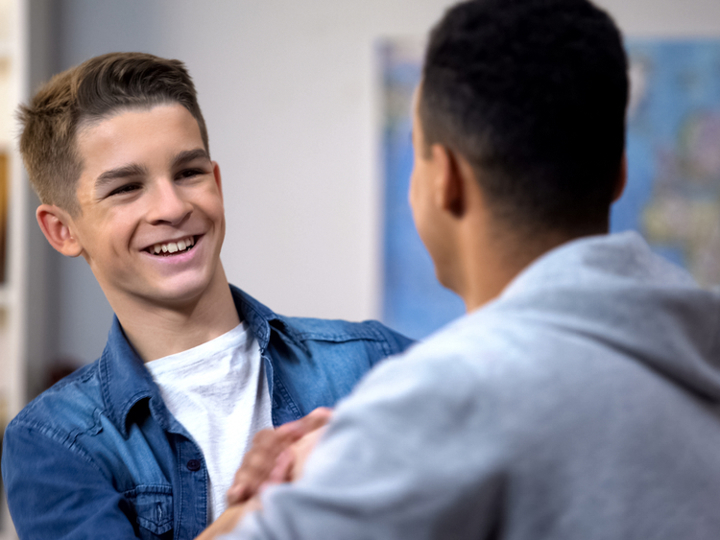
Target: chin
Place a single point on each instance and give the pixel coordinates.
(182, 293)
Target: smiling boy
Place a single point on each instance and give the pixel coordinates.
(143, 443)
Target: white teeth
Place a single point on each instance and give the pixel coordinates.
(173, 247)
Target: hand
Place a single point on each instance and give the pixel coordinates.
(289, 465)
(271, 459)
(228, 520)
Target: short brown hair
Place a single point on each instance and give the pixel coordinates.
(90, 92)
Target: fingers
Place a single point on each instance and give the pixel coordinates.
(316, 419)
(282, 472)
(269, 460)
(283, 466)
(258, 463)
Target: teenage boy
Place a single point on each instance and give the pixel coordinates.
(579, 397)
(144, 442)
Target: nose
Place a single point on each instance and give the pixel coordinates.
(167, 204)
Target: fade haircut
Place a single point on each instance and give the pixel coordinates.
(533, 94)
(92, 91)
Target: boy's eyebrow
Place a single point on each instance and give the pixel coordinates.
(138, 170)
(190, 155)
(120, 172)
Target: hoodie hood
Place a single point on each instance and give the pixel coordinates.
(615, 290)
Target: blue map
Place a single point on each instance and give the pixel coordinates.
(673, 192)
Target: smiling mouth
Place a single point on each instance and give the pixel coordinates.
(170, 249)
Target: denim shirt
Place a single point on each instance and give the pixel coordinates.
(100, 456)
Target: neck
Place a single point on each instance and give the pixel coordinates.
(490, 262)
(158, 330)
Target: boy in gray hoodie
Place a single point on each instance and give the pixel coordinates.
(579, 397)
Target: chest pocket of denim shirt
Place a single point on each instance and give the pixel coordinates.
(153, 511)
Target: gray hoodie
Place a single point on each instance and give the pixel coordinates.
(581, 404)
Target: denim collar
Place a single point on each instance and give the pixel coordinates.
(125, 381)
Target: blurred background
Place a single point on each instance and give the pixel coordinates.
(293, 96)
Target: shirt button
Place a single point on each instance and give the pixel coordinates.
(193, 465)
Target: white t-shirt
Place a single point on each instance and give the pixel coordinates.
(219, 392)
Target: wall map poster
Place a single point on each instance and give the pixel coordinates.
(673, 192)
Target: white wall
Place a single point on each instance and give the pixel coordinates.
(288, 91)
(665, 18)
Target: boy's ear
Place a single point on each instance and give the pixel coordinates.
(218, 178)
(55, 224)
(449, 189)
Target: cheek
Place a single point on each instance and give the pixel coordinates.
(216, 211)
(419, 205)
(207, 202)
(414, 192)
(212, 200)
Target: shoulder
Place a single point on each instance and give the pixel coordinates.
(306, 329)
(511, 379)
(439, 369)
(67, 408)
(475, 368)
(340, 331)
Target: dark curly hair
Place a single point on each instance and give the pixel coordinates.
(533, 94)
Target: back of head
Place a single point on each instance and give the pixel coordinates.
(533, 94)
(94, 90)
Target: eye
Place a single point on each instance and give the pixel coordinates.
(190, 173)
(127, 188)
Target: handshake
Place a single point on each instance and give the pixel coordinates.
(276, 456)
